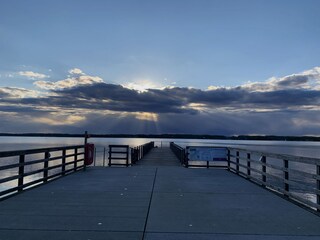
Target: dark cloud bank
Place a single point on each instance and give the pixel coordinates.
(239, 110)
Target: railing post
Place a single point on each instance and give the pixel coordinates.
(63, 170)
(127, 157)
(75, 159)
(264, 169)
(86, 136)
(248, 165)
(94, 156)
(229, 159)
(237, 161)
(318, 187)
(110, 150)
(21, 172)
(104, 156)
(182, 157)
(286, 177)
(132, 158)
(187, 158)
(45, 166)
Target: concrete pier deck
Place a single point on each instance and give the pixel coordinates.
(153, 202)
(160, 157)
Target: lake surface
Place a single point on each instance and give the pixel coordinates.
(306, 149)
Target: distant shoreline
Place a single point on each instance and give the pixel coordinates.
(171, 136)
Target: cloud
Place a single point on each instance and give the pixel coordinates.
(143, 85)
(13, 92)
(76, 71)
(285, 105)
(309, 79)
(33, 75)
(68, 83)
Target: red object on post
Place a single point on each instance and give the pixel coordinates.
(88, 153)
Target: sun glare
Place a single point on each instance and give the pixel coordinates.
(142, 85)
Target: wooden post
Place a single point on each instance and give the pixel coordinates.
(182, 157)
(187, 158)
(63, 170)
(75, 159)
(248, 165)
(110, 150)
(21, 172)
(45, 166)
(94, 156)
(318, 187)
(86, 136)
(132, 156)
(229, 159)
(286, 176)
(264, 169)
(127, 156)
(104, 156)
(237, 160)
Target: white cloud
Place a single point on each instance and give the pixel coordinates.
(32, 75)
(309, 79)
(76, 71)
(21, 92)
(69, 82)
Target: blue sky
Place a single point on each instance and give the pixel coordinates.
(198, 54)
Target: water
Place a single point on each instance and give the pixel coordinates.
(305, 149)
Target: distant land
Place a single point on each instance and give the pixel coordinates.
(169, 136)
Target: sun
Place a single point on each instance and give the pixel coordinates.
(142, 85)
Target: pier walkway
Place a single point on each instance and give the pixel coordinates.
(153, 202)
(160, 157)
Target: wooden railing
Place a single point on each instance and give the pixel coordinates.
(295, 178)
(179, 152)
(140, 151)
(118, 155)
(27, 168)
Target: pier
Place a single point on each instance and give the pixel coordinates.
(156, 198)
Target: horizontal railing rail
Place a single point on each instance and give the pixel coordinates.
(295, 178)
(179, 152)
(140, 151)
(27, 168)
(118, 155)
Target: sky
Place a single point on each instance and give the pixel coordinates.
(227, 67)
